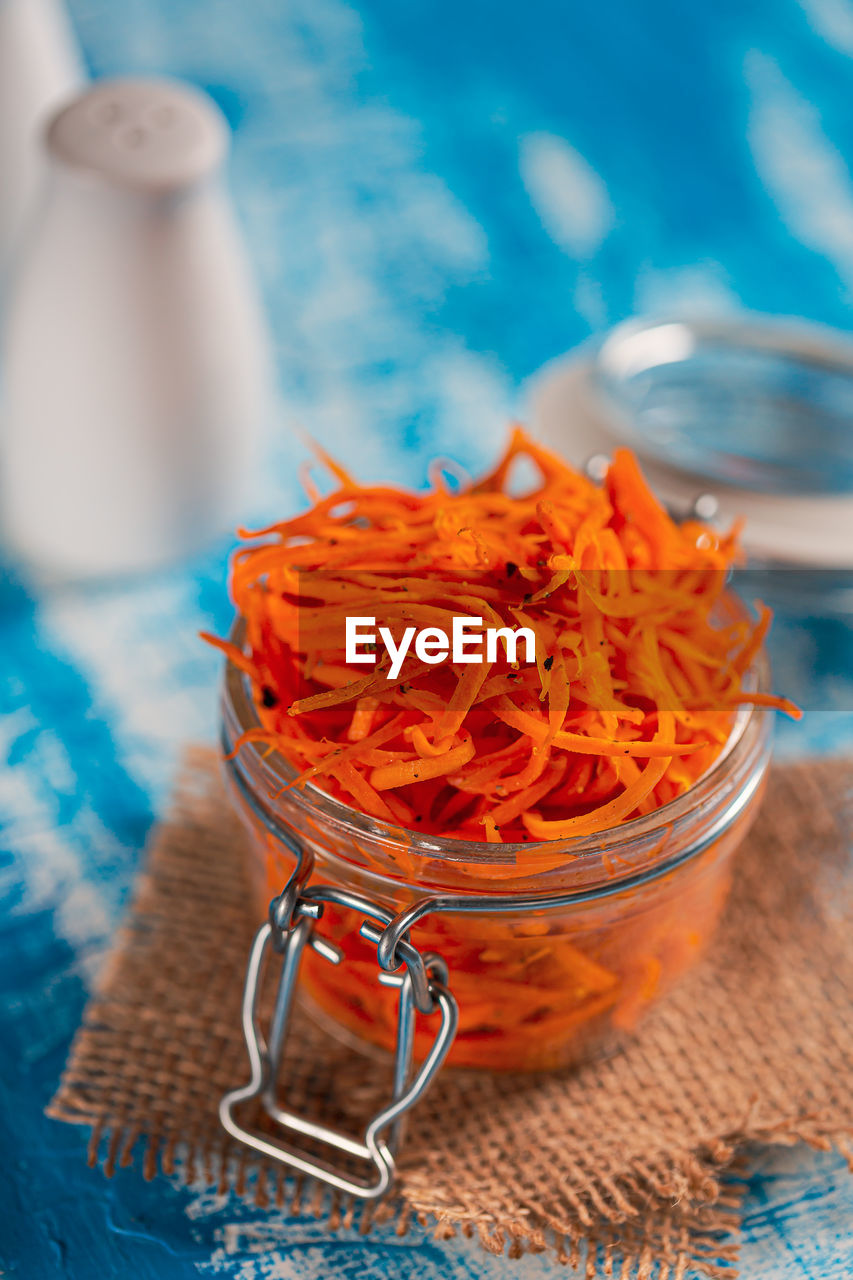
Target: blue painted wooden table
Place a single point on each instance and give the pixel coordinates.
(438, 198)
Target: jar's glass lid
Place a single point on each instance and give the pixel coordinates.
(753, 413)
(760, 404)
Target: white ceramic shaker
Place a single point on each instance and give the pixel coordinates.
(136, 371)
(39, 69)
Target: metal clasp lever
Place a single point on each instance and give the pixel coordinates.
(382, 1134)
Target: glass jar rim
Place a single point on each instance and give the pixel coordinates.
(273, 769)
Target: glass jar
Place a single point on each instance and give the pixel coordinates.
(554, 949)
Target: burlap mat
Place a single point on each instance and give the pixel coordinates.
(625, 1165)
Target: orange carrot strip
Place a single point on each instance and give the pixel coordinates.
(584, 744)
(400, 775)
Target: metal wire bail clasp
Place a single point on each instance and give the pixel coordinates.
(422, 985)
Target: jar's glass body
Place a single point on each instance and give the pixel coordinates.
(539, 985)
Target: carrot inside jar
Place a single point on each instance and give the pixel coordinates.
(637, 671)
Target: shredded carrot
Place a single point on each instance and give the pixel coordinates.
(641, 663)
(638, 669)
